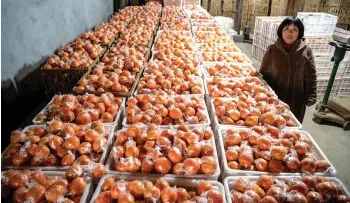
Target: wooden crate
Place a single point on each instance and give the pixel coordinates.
(229, 5)
(342, 13)
(279, 3)
(229, 14)
(215, 9)
(205, 4)
(345, 4)
(331, 3)
(290, 8)
(62, 81)
(172, 3)
(278, 11)
(307, 6)
(251, 23)
(337, 3)
(340, 8)
(312, 7)
(258, 9)
(258, 1)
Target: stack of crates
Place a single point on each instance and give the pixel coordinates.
(265, 33)
(177, 3)
(319, 28)
(344, 88)
(279, 7)
(318, 24)
(340, 8)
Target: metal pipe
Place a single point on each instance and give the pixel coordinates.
(338, 56)
(269, 9)
(330, 85)
(222, 7)
(238, 16)
(209, 5)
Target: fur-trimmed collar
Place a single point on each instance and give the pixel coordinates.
(298, 45)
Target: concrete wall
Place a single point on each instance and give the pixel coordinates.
(34, 29)
(31, 31)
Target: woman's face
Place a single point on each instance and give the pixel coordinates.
(290, 34)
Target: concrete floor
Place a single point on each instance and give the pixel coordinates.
(333, 140)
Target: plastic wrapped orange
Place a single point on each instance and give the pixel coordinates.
(171, 109)
(177, 55)
(159, 85)
(181, 68)
(181, 151)
(132, 190)
(79, 54)
(36, 186)
(287, 189)
(82, 109)
(247, 111)
(61, 145)
(267, 149)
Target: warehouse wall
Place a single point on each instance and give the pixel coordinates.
(31, 32)
(34, 29)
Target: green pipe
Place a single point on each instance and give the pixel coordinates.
(330, 84)
(339, 53)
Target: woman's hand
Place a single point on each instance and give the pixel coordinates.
(310, 102)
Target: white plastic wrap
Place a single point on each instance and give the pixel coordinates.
(315, 149)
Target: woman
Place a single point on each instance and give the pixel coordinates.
(288, 66)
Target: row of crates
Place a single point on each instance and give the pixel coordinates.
(257, 52)
(324, 65)
(341, 87)
(319, 28)
(317, 44)
(324, 68)
(180, 3)
(318, 24)
(266, 34)
(263, 25)
(344, 88)
(322, 84)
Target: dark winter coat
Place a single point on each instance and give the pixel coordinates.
(291, 74)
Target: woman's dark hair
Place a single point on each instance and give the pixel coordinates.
(291, 21)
